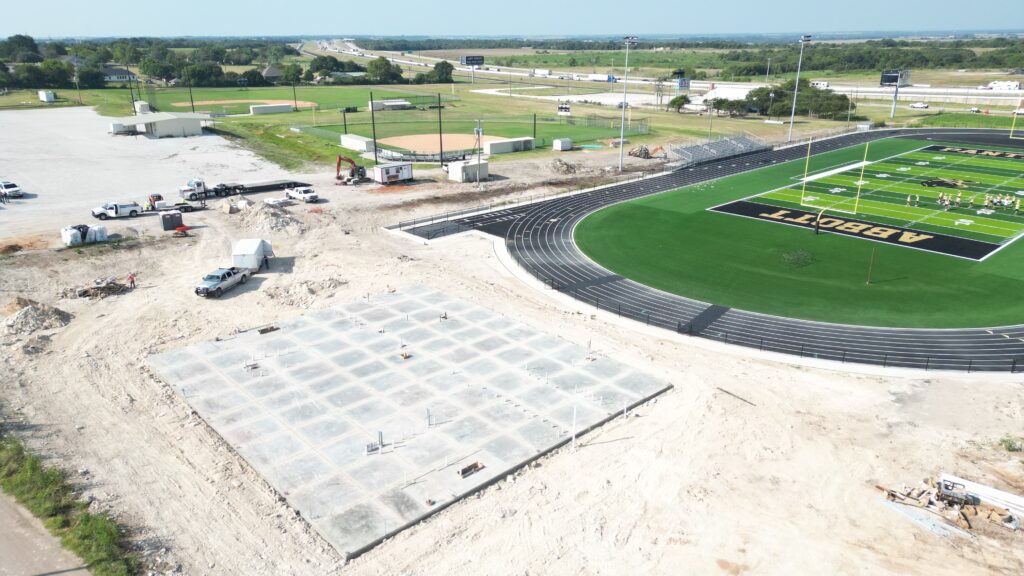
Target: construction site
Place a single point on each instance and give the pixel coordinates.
(335, 369)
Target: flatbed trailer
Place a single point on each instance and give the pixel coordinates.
(253, 187)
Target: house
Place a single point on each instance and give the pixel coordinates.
(118, 75)
(271, 74)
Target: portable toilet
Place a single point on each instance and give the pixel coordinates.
(171, 220)
(70, 236)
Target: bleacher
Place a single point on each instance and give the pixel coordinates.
(728, 147)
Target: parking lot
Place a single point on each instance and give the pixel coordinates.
(67, 163)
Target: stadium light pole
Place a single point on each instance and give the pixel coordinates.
(796, 85)
(625, 84)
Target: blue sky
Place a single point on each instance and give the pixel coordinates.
(479, 17)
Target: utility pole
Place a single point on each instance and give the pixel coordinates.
(625, 85)
(373, 125)
(440, 133)
(768, 70)
(806, 38)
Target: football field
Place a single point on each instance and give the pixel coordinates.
(836, 238)
(954, 200)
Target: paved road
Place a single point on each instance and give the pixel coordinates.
(26, 548)
(539, 237)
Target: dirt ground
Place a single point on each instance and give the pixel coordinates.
(429, 143)
(27, 548)
(750, 466)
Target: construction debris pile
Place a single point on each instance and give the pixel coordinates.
(955, 506)
(304, 293)
(562, 167)
(101, 288)
(644, 153)
(30, 316)
(260, 217)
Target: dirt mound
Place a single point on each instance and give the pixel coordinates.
(261, 217)
(303, 294)
(34, 317)
(562, 167)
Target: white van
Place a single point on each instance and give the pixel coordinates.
(819, 84)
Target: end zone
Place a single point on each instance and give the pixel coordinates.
(899, 236)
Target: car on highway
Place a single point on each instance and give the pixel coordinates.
(919, 105)
(1018, 111)
(12, 189)
(974, 110)
(302, 193)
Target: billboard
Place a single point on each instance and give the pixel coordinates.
(471, 60)
(683, 83)
(895, 78)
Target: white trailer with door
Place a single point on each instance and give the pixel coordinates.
(251, 253)
(392, 173)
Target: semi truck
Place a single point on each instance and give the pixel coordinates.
(197, 189)
(541, 72)
(600, 77)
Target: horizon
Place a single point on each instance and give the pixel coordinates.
(534, 18)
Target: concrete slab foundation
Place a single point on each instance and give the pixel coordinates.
(459, 395)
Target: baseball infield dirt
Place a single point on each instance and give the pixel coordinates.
(429, 143)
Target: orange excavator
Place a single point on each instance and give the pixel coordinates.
(355, 174)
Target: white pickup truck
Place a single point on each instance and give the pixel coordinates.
(114, 210)
(303, 193)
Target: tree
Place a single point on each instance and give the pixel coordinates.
(57, 74)
(291, 74)
(52, 50)
(29, 76)
(679, 73)
(381, 71)
(442, 73)
(17, 47)
(157, 69)
(572, 62)
(325, 64)
(91, 78)
(125, 53)
(678, 102)
(254, 78)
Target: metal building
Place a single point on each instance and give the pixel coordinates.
(162, 124)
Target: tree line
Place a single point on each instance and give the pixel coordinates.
(777, 100)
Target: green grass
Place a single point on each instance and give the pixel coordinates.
(108, 102)
(326, 97)
(45, 492)
(671, 242)
(958, 120)
(890, 182)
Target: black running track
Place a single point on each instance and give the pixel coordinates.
(539, 238)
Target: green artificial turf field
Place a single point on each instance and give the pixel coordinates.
(672, 241)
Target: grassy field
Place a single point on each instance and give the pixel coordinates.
(328, 97)
(670, 241)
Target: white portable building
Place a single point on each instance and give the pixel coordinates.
(269, 109)
(47, 96)
(510, 145)
(249, 253)
(163, 124)
(393, 172)
(142, 107)
(466, 170)
(561, 144)
(357, 143)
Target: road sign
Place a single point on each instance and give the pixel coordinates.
(471, 60)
